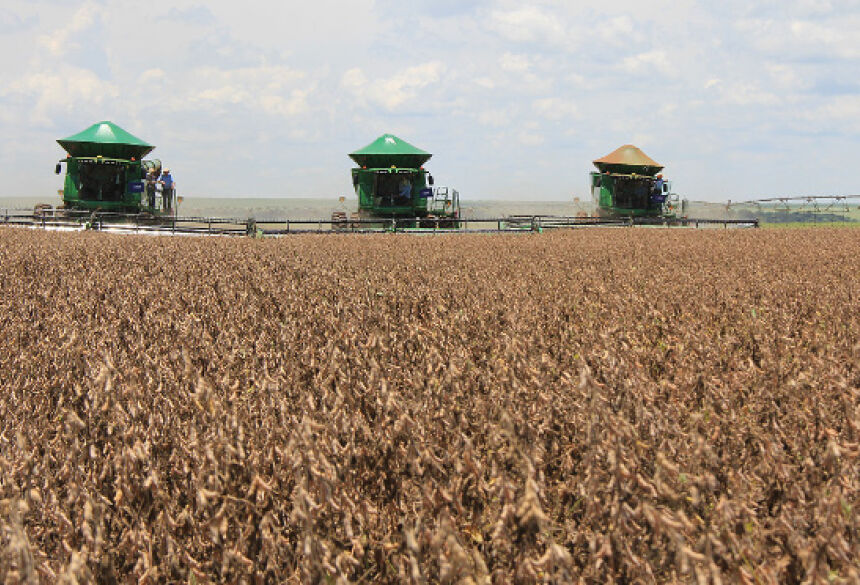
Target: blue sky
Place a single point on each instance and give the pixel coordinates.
(738, 99)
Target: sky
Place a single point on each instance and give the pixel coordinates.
(738, 99)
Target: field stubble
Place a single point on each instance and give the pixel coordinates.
(626, 405)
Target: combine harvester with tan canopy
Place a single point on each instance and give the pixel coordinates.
(628, 184)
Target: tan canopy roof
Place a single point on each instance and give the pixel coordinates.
(628, 156)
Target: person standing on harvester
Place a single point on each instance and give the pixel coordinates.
(166, 189)
(151, 179)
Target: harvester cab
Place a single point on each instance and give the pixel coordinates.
(391, 182)
(628, 183)
(105, 171)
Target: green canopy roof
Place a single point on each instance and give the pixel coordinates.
(389, 150)
(106, 139)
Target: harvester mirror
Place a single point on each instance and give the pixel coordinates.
(58, 169)
(430, 179)
(355, 179)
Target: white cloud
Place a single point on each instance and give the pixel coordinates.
(668, 109)
(529, 138)
(815, 6)
(354, 79)
(223, 94)
(276, 90)
(747, 93)
(528, 24)
(292, 105)
(514, 63)
(395, 91)
(619, 30)
(649, 62)
(787, 77)
(832, 37)
(496, 118)
(840, 112)
(555, 108)
(43, 96)
(66, 38)
(253, 79)
(152, 76)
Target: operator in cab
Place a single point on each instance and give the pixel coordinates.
(405, 190)
(657, 195)
(658, 184)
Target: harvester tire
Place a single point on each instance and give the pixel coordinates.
(41, 209)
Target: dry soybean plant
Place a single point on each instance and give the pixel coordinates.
(628, 406)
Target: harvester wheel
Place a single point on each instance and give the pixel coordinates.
(338, 220)
(42, 209)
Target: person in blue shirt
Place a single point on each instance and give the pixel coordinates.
(657, 195)
(166, 189)
(405, 189)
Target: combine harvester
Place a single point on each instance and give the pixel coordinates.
(105, 171)
(107, 183)
(627, 190)
(392, 185)
(628, 184)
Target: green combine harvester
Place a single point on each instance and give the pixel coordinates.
(391, 182)
(628, 183)
(105, 172)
